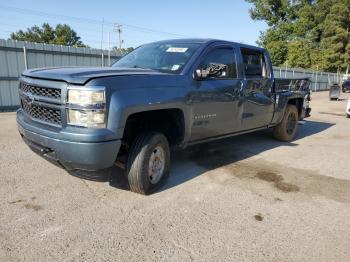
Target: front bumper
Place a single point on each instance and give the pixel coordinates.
(90, 160)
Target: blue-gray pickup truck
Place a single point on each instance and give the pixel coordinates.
(163, 94)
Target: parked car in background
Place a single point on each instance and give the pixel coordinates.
(346, 85)
(169, 93)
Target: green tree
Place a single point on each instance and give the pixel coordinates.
(299, 54)
(123, 51)
(335, 37)
(305, 33)
(276, 41)
(62, 34)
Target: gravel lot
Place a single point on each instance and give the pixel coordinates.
(248, 198)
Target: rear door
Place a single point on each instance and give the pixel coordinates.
(258, 102)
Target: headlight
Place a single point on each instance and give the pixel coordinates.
(86, 97)
(86, 107)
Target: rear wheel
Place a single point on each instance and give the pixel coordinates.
(148, 162)
(286, 130)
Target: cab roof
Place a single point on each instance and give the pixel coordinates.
(207, 41)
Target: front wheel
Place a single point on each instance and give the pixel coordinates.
(287, 128)
(148, 162)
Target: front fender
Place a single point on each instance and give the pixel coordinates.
(126, 102)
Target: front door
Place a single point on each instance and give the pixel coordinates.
(216, 99)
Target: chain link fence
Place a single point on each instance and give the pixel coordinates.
(320, 81)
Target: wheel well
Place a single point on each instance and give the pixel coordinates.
(298, 102)
(170, 122)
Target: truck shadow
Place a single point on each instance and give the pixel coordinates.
(195, 160)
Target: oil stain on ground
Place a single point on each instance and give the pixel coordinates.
(277, 181)
(28, 205)
(33, 207)
(238, 161)
(269, 176)
(16, 201)
(259, 217)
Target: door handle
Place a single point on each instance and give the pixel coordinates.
(241, 88)
(242, 85)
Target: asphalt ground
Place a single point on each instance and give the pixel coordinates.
(247, 198)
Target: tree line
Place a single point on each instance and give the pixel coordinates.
(312, 34)
(61, 34)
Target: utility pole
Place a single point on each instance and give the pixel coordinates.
(102, 55)
(119, 30)
(109, 48)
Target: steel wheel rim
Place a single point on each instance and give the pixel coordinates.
(291, 123)
(156, 164)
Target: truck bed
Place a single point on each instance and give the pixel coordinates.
(292, 84)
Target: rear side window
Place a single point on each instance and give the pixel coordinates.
(225, 56)
(254, 64)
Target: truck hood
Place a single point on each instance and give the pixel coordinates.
(80, 75)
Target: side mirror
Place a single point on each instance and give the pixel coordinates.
(200, 74)
(213, 69)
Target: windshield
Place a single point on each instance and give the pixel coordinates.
(164, 57)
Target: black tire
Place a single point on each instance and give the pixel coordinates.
(285, 131)
(138, 163)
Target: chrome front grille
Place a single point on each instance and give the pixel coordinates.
(46, 114)
(53, 93)
(41, 100)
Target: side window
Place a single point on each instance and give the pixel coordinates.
(223, 56)
(254, 64)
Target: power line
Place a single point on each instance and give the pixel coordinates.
(88, 35)
(87, 20)
(87, 32)
(80, 20)
(87, 39)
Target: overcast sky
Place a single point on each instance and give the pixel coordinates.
(143, 21)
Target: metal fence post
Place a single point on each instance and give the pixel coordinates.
(285, 72)
(25, 57)
(329, 80)
(315, 81)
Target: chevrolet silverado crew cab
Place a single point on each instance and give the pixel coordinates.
(163, 94)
